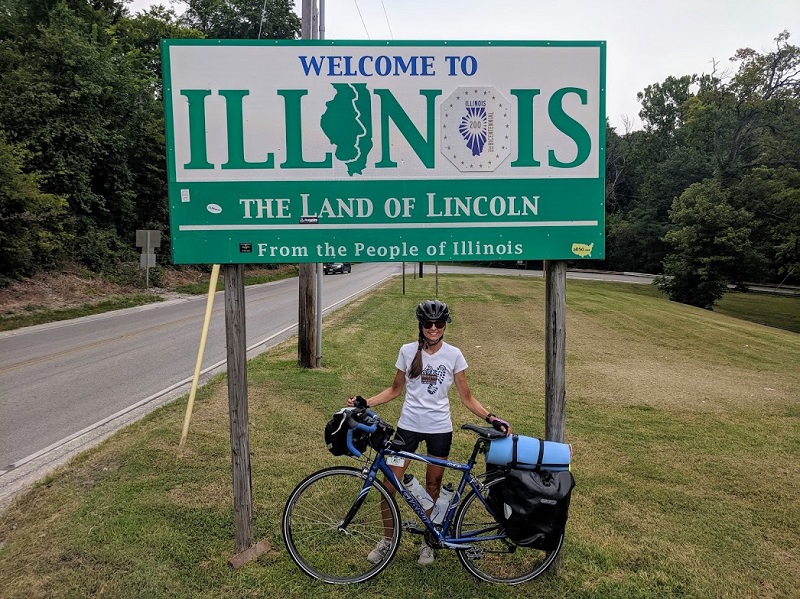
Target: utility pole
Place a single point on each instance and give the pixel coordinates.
(307, 297)
(319, 33)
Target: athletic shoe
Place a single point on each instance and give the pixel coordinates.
(380, 551)
(425, 555)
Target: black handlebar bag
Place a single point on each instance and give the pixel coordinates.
(337, 427)
(336, 436)
(535, 506)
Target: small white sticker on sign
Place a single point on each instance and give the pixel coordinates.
(214, 208)
(185, 195)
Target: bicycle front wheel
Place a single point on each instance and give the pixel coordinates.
(313, 535)
(496, 560)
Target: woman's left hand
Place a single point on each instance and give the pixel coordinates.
(501, 425)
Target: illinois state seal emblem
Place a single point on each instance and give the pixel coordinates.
(476, 128)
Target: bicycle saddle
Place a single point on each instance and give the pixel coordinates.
(487, 432)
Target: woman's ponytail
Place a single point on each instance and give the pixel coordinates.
(416, 364)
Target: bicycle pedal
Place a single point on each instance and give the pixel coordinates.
(474, 553)
(413, 527)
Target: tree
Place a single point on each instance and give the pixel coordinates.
(616, 156)
(646, 171)
(743, 130)
(664, 104)
(71, 102)
(635, 241)
(772, 196)
(138, 40)
(710, 237)
(31, 235)
(83, 95)
(243, 19)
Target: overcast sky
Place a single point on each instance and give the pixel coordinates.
(647, 40)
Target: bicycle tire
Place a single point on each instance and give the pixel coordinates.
(310, 521)
(500, 560)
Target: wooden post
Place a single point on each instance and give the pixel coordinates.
(306, 317)
(237, 404)
(318, 316)
(307, 280)
(555, 349)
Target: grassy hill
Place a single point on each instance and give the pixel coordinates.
(685, 425)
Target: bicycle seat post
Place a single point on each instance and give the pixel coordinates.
(480, 443)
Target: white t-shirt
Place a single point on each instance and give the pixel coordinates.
(426, 408)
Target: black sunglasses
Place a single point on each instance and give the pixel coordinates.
(428, 324)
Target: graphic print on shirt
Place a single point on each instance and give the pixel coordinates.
(431, 377)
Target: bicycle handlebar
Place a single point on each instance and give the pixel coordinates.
(353, 425)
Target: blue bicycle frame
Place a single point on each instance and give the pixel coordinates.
(379, 464)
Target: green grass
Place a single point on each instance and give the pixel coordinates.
(685, 427)
(782, 312)
(41, 316)
(779, 311)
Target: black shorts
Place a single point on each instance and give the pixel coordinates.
(437, 444)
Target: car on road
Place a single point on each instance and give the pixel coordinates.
(331, 268)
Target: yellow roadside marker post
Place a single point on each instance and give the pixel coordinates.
(212, 289)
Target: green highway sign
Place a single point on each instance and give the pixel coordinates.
(316, 150)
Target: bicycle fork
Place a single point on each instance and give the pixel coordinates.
(351, 513)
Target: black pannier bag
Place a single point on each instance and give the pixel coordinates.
(495, 496)
(336, 435)
(535, 506)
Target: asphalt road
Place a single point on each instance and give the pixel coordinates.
(58, 379)
(65, 386)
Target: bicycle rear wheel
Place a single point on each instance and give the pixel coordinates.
(311, 519)
(499, 560)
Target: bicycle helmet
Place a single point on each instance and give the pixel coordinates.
(433, 310)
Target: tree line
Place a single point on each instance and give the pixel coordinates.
(82, 148)
(707, 193)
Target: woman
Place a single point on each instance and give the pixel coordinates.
(427, 368)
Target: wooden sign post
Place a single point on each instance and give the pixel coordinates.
(555, 389)
(237, 404)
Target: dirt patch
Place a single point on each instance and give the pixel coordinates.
(74, 287)
(55, 290)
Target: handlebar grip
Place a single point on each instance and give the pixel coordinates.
(354, 425)
(368, 428)
(350, 445)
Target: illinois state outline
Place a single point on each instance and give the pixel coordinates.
(347, 122)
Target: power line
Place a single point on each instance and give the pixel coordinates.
(261, 23)
(362, 19)
(391, 33)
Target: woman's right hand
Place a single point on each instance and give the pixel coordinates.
(357, 402)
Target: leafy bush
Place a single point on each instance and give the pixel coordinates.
(709, 239)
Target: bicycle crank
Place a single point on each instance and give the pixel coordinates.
(415, 528)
